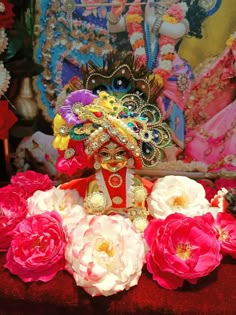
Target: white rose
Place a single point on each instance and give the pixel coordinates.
(67, 203)
(177, 194)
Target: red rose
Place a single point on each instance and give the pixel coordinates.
(7, 117)
(209, 187)
(32, 181)
(37, 248)
(227, 183)
(6, 14)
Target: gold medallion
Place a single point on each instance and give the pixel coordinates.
(117, 200)
(115, 180)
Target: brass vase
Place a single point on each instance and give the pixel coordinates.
(25, 101)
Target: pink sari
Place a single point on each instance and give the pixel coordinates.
(211, 116)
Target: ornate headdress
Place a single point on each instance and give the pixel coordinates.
(86, 122)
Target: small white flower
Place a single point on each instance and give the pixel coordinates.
(4, 79)
(140, 224)
(165, 64)
(140, 51)
(96, 201)
(3, 40)
(165, 49)
(136, 36)
(140, 194)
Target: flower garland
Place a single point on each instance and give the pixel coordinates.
(166, 55)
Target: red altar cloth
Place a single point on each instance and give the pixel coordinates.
(213, 295)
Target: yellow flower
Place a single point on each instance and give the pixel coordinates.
(61, 133)
(103, 94)
(157, 78)
(169, 19)
(134, 18)
(229, 41)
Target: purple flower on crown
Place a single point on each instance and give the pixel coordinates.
(67, 111)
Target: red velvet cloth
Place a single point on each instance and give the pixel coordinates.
(213, 295)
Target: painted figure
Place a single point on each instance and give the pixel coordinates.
(68, 34)
(211, 113)
(154, 31)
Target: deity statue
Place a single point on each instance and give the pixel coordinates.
(114, 137)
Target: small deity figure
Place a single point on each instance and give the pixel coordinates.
(114, 137)
(115, 188)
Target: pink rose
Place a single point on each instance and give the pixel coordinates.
(32, 181)
(18, 190)
(181, 248)
(105, 254)
(37, 248)
(13, 208)
(226, 229)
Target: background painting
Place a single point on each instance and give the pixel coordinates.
(68, 37)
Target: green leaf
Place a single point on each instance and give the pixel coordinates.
(14, 45)
(29, 22)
